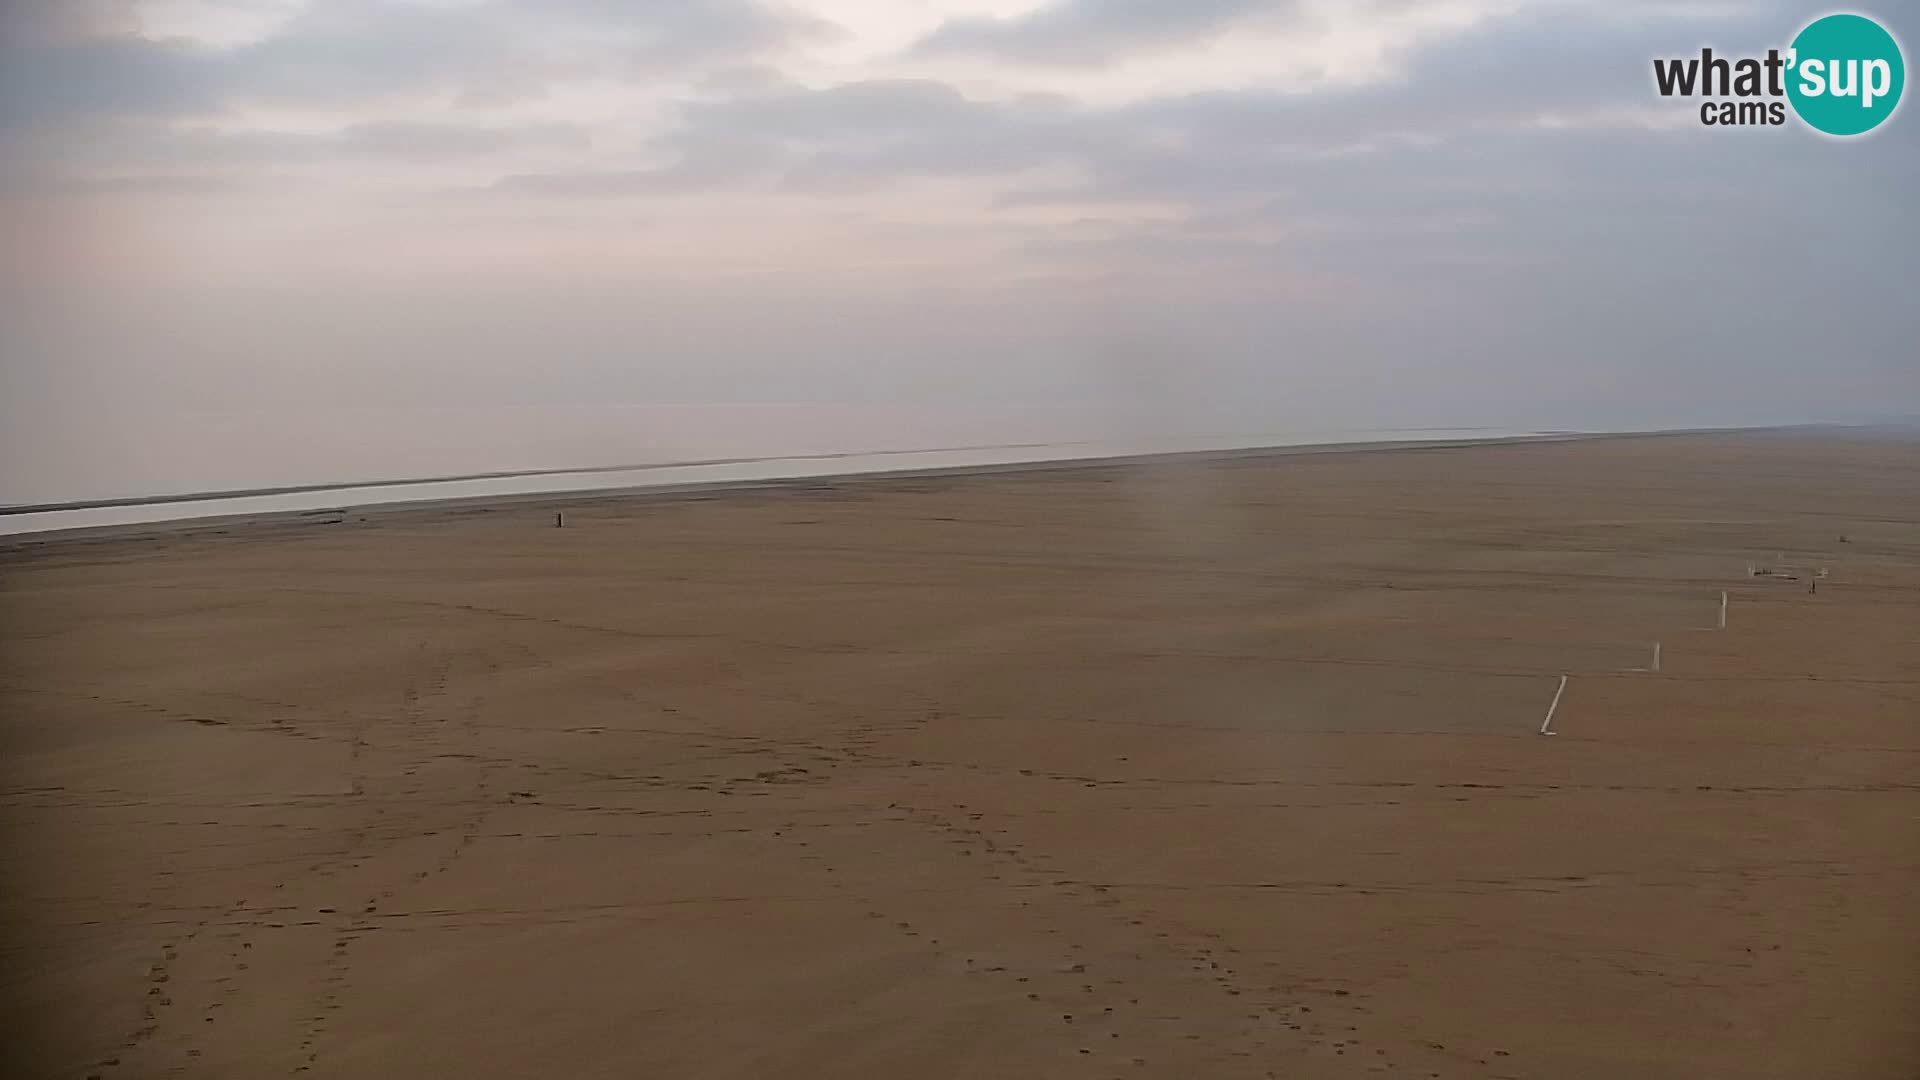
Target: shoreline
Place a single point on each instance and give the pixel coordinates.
(126, 501)
(348, 512)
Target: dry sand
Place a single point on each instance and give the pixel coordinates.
(1204, 769)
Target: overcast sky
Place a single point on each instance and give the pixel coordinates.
(248, 241)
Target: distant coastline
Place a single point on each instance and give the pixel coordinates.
(294, 503)
(7, 509)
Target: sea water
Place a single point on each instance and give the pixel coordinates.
(347, 496)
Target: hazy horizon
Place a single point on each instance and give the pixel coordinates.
(258, 242)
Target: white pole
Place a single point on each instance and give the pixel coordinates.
(1723, 609)
(1656, 656)
(1548, 722)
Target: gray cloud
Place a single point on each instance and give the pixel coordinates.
(1091, 32)
(89, 106)
(715, 163)
(56, 68)
(675, 33)
(1456, 139)
(849, 136)
(50, 84)
(128, 156)
(1189, 148)
(440, 141)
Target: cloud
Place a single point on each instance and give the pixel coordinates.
(1091, 32)
(50, 83)
(714, 165)
(677, 33)
(58, 67)
(439, 141)
(1537, 75)
(129, 157)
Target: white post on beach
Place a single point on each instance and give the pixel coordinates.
(1723, 609)
(1548, 722)
(1656, 656)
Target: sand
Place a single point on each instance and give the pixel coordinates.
(1192, 769)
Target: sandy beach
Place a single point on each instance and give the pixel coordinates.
(1226, 768)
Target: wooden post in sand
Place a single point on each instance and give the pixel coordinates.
(1723, 609)
(1547, 724)
(559, 520)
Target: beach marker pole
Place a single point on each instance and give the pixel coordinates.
(1656, 656)
(1723, 609)
(559, 520)
(1548, 722)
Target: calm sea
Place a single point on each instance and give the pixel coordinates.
(666, 476)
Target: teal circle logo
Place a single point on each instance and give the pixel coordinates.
(1845, 74)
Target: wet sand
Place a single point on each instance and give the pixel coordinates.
(1209, 768)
